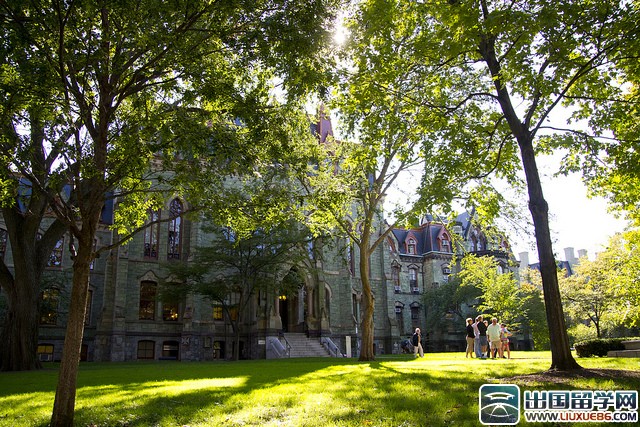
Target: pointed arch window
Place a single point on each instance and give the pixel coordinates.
(148, 292)
(151, 234)
(395, 278)
(392, 246)
(413, 279)
(411, 246)
(174, 246)
(55, 259)
(351, 262)
(415, 314)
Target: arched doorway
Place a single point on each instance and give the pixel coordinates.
(293, 303)
(283, 305)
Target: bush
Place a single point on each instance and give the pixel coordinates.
(599, 346)
(581, 332)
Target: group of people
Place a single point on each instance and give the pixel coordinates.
(487, 340)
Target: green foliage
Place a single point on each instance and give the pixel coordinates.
(234, 268)
(605, 291)
(499, 293)
(535, 319)
(449, 298)
(599, 346)
(581, 332)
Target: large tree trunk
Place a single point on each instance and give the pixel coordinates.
(63, 407)
(561, 358)
(368, 301)
(22, 287)
(19, 336)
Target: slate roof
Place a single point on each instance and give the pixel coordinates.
(426, 238)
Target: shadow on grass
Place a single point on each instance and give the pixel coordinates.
(400, 391)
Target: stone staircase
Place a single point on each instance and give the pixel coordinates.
(631, 349)
(301, 346)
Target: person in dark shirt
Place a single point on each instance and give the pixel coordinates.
(471, 337)
(482, 328)
(416, 340)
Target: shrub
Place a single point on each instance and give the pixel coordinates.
(599, 346)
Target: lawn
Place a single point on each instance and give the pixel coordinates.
(441, 389)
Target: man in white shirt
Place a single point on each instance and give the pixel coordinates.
(493, 335)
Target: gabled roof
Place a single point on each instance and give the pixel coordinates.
(426, 238)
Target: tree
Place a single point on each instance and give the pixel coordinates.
(498, 291)
(604, 291)
(496, 70)
(233, 269)
(449, 298)
(348, 181)
(134, 79)
(588, 295)
(30, 233)
(531, 285)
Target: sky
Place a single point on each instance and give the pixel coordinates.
(575, 220)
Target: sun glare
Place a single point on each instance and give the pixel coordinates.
(340, 32)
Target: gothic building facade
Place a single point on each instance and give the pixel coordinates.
(127, 320)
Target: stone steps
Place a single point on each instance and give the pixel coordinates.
(631, 349)
(302, 346)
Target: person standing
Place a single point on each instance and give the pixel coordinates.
(416, 340)
(493, 334)
(482, 336)
(476, 341)
(504, 338)
(471, 337)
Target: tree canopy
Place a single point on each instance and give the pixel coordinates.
(495, 72)
(101, 88)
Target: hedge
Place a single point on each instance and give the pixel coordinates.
(600, 346)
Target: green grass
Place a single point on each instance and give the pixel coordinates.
(441, 389)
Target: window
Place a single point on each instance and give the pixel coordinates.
(413, 280)
(217, 312)
(445, 244)
(45, 352)
(147, 300)
(415, 315)
(3, 242)
(49, 306)
(354, 307)
(146, 349)
(151, 235)
(170, 311)
(411, 246)
(55, 259)
(175, 230)
(392, 246)
(170, 350)
(395, 278)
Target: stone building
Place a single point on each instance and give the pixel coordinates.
(126, 319)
